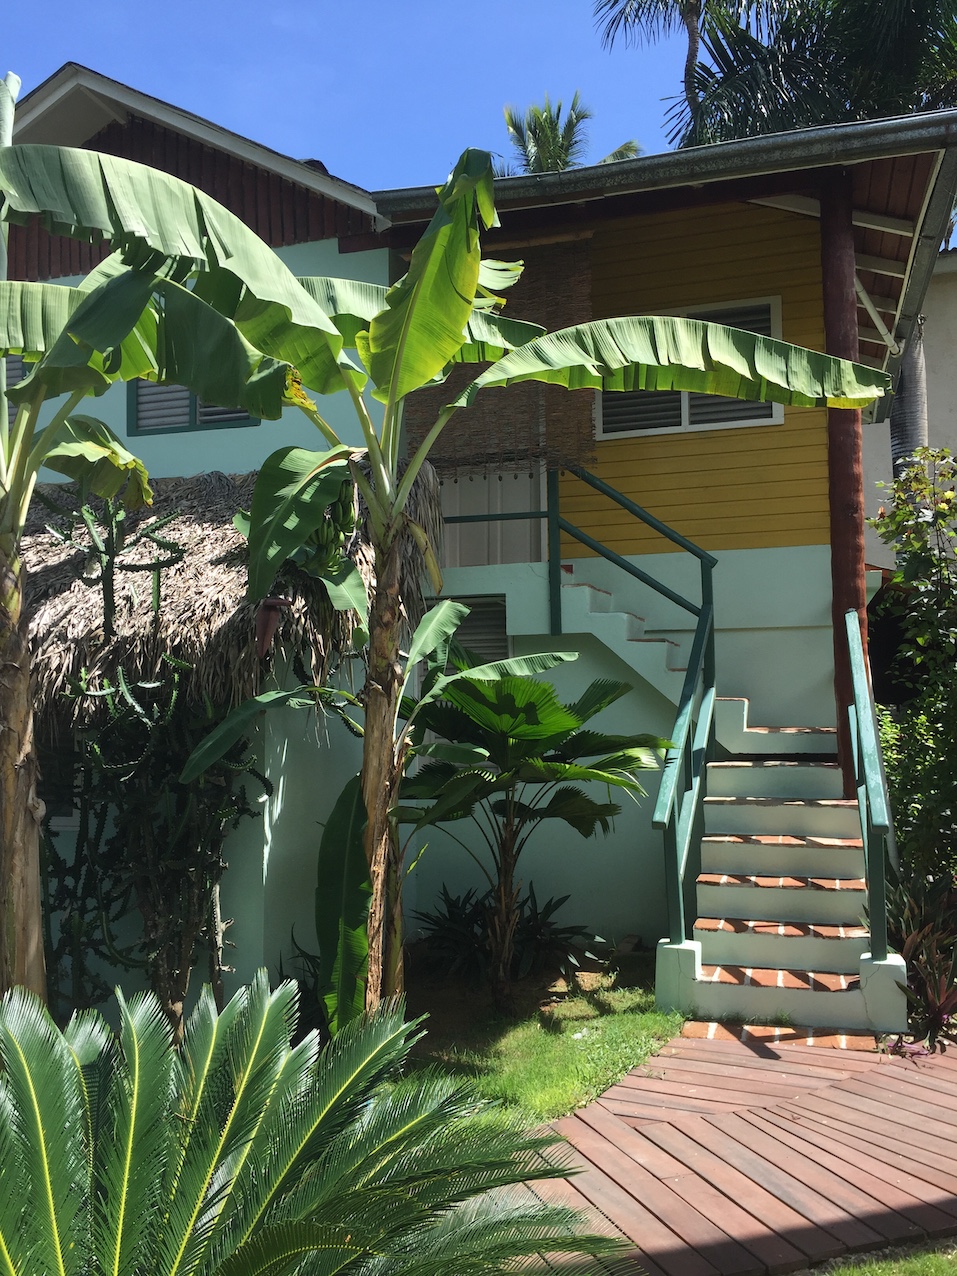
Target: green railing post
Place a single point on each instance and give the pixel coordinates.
(554, 552)
(873, 802)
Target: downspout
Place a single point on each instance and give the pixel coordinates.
(909, 409)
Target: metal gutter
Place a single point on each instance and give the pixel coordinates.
(696, 166)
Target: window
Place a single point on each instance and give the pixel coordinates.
(169, 409)
(484, 631)
(662, 411)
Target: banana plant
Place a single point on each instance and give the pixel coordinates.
(377, 346)
(241, 1155)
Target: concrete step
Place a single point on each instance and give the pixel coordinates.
(775, 778)
(738, 737)
(766, 854)
(769, 942)
(821, 999)
(829, 817)
(840, 901)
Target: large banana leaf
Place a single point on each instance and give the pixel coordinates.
(294, 489)
(352, 306)
(343, 891)
(654, 353)
(88, 452)
(421, 328)
(157, 219)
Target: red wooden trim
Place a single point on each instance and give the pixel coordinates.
(844, 448)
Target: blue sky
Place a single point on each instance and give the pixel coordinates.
(386, 93)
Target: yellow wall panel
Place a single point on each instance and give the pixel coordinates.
(743, 488)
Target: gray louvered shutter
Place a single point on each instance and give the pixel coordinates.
(207, 414)
(483, 631)
(715, 409)
(625, 410)
(161, 407)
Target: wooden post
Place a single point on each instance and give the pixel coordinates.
(844, 449)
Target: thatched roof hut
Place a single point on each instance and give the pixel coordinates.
(203, 616)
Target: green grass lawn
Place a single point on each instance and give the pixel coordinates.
(941, 1262)
(558, 1052)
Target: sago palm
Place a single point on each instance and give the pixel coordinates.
(244, 1156)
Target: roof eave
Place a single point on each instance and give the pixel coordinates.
(73, 78)
(697, 166)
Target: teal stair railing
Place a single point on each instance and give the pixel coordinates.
(877, 830)
(679, 811)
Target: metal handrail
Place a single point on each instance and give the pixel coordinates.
(693, 741)
(877, 829)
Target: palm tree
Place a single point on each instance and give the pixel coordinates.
(242, 1155)
(645, 21)
(813, 62)
(544, 143)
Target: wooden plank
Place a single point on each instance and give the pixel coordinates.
(710, 1091)
(898, 1154)
(807, 1237)
(919, 1116)
(683, 1219)
(895, 1189)
(561, 1192)
(777, 1254)
(808, 1056)
(718, 1135)
(729, 1077)
(660, 1109)
(849, 1205)
(639, 1225)
(878, 1119)
(904, 1095)
(746, 1070)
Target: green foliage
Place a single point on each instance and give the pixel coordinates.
(528, 769)
(146, 842)
(919, 738)
(543, 142)
(342, 909)
(922, 927)
(242, 1155)
(457, 935)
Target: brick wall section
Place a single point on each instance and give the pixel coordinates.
(521, 426)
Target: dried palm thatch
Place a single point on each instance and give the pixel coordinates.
(203, 619)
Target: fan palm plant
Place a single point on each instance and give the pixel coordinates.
(545, 143)
(516, 758)
(244, 1156)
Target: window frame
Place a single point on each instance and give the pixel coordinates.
(193, 426)
(775, 417)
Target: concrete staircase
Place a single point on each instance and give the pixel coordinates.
(780, 933)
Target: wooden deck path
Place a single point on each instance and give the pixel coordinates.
(719, 1158)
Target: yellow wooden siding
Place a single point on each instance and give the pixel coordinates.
(744, 488)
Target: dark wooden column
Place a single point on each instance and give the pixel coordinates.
(844, 459)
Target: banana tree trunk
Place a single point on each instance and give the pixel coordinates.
(380, 776)
(21, 812)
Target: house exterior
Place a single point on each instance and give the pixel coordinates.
(826, 238)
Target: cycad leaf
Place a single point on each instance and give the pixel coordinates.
(343, 893)
(132, 1162)
(86, 450)
(293, 491)
(282, 1248)
(47, 1128)
(655, 353)
(426, 312)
